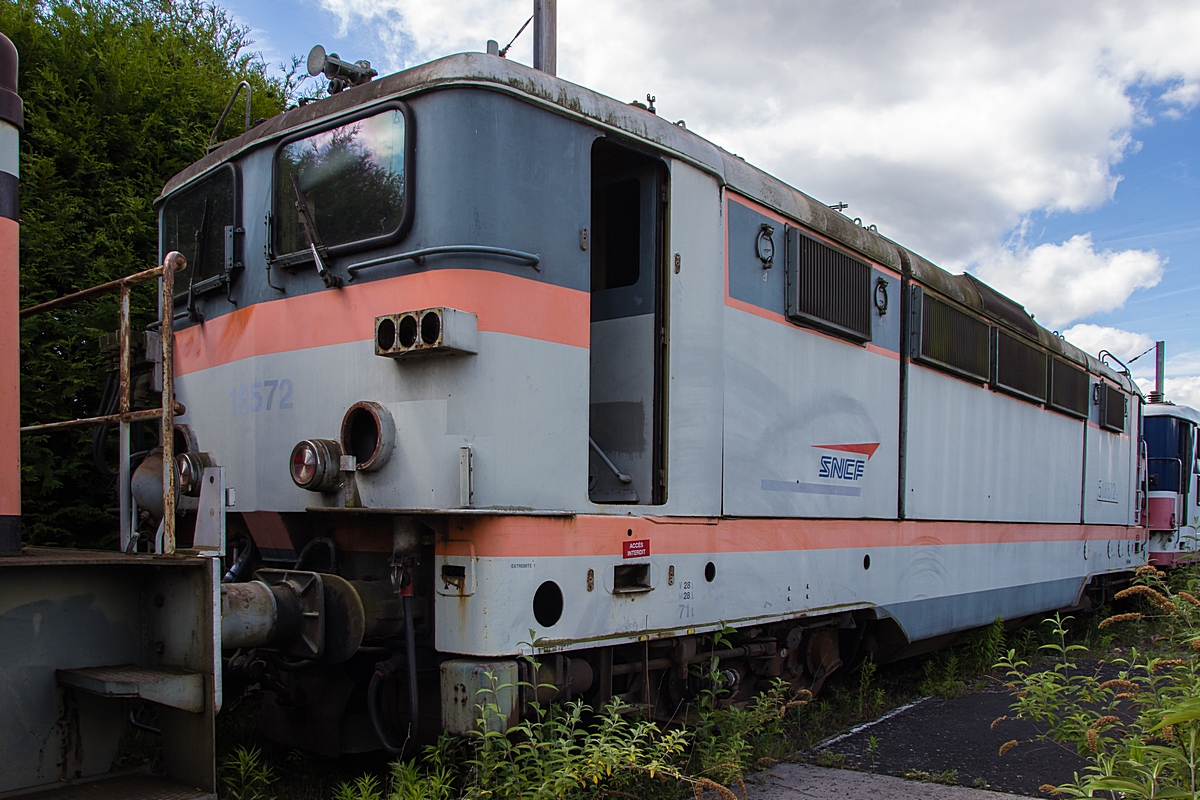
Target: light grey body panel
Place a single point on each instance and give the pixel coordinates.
(975, 454)
(520, 404)
(929, 590)
(696, 327)
(1110, 488)
(921, 619)
(783, 400)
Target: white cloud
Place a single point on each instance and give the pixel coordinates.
(944, 123)
(1183, 391)
(947, 124)
(1185, 96)
(1060, 283)
(1094, 338)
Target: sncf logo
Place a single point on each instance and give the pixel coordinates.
(846, 469)
(847, 463)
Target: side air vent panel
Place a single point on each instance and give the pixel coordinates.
(827, 288)
(943, 336)
(1112, 408)
(1068, 389)
(1020, 368)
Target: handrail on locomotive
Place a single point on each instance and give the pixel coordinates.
(174, 262)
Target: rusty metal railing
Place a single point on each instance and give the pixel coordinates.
(122, 286)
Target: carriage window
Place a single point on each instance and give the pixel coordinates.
(193, 222)
(351, 178)
(617, 243)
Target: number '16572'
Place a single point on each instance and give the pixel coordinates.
(261, 396)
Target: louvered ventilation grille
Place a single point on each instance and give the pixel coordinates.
(1112, 412)
(954, 339)
(1068, 388)
(832, 290)
(1020, 368)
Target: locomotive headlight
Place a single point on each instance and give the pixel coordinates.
(314, 465)
(190, 467)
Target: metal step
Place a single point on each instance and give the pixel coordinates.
(119, 787)
(166, 686)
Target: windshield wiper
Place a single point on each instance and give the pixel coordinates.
(198, 255)
(319, 252)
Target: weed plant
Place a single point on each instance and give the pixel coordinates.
(574, 750)
(571, 751)
(1134, 715)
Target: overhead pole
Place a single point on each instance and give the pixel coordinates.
(545, 36)
(1160, 371)
(11, 123)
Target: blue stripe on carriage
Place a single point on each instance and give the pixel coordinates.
(810, 488)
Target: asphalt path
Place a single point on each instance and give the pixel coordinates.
(955, 738)
(806, 782)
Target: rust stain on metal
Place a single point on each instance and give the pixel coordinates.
(94, 291)
(235, 326)
(172, 263)
(91, 422)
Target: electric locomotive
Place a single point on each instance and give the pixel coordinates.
(1173, 481)
(495, 365)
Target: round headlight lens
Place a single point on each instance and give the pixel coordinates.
(187, 475)
(304, 464)
(190, 467)
(314, 465)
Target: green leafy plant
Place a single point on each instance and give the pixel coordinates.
(244, 776)
(1139, 730)
(868, 700)
(569, 750)
(947, 777)
(364, 787)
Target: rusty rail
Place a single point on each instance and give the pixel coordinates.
(122, 286)
(91, 422)
(95, 291)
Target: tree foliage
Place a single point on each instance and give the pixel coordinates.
(119, 96)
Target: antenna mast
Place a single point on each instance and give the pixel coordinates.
(545, 36)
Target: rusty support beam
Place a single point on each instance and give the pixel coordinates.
(91, 422)
(124, 495)
(93, 291)
(166, 314)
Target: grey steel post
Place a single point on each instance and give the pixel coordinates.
(11, 123)
(1160, 368)
(545, 36)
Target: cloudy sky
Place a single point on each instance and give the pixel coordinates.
(1050, 148)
